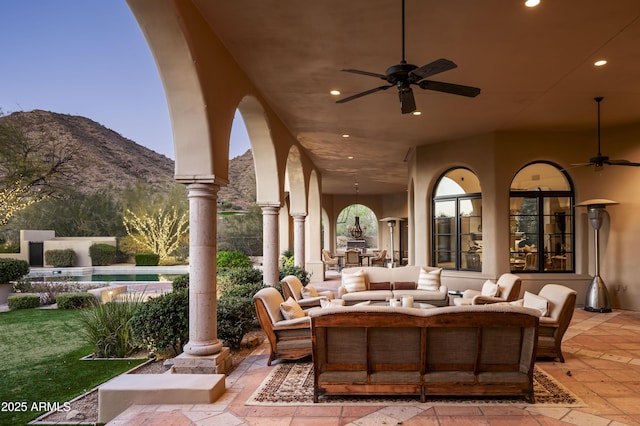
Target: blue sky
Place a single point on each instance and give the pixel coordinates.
(89, 58)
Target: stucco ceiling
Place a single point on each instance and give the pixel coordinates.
(534, 66)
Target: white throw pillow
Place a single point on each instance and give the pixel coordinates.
(490, 289)
(291, 310)
(354, 282)
(536, 302)
(309, 291)
(331, 303)
(429, 281)
(519, 302)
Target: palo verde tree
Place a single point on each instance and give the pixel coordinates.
(33, 166)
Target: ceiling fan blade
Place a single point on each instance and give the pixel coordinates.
(621, 163)
(370, 74)
(433, 68)
(407, 101)
(361, 94)
(455, 89)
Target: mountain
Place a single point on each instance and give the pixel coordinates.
(105, 159)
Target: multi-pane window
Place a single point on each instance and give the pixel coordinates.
(541, 221)
(457, 221)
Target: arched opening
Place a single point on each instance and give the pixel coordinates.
(357, 227)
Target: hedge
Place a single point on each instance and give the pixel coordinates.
(147, 259)
(75, 300)
(60, 258)
(12, 269)
(24, 301)
(102, 254)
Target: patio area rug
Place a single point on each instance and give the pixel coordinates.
(292, 384)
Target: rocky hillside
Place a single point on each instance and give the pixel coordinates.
(103, 158)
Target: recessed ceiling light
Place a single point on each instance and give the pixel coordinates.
(600, 63)
(350, 157)
(335, 92)
(532, 3)
(417, 113)
(346, 136)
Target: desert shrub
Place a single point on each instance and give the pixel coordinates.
(79, 300)
(9, 248)
(163, 322)
(287, 258)
(298, 271)
(180, 283)
(12, 269)
(147, 259)
(60, 258)
(235, 319)
(107, 327)
(23, 301)
(232, 259)
(102, 254)
(231, 277)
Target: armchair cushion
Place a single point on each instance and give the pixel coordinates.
(490, 289)
(354, 282)
(429, 281)
(309, 291)
(536, 302)
(291, 310)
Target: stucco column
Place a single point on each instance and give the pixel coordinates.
(270, 243)
(203, 326)
(298, 239)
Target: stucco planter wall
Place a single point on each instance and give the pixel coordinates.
(5, 291)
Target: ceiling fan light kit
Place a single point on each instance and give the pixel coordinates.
(403, 75)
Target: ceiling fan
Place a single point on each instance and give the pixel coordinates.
(600, 160)
(403, 75)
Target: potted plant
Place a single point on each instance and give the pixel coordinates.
(10, 270)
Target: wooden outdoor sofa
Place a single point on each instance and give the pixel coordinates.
(486, 350)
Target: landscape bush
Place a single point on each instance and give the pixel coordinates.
(23, 301)
(180, 283)
(60, 258)
(162, 322)
(79, 300)
(232, 277)
(235, 319)
(147, 259)
(102, 254)
(297, 271)
(232, 259)
(12, 269)
(50, 290)
(107, 328)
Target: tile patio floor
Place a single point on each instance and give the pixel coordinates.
(602, 367)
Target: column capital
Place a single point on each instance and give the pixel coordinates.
(299, 216)
(204, 179)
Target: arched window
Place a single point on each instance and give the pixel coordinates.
(541, 220)
(457, 221)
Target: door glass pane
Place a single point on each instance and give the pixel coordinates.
(471, 234)
(445, 234)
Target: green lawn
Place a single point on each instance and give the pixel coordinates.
(41, 351)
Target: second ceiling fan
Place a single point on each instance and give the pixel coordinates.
(403, 75)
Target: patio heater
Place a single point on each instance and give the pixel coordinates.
(597, 299)
(391, 222)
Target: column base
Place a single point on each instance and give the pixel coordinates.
(219, 363)
(317, 271)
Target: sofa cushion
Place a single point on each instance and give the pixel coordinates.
(421, 295)
(291, 310)
(490, 289)
(429, 280)
(309, 291)
(331, 303)
(354, 282)
(361, 296)
(386, 285)
(404, 285)
(536, 302)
